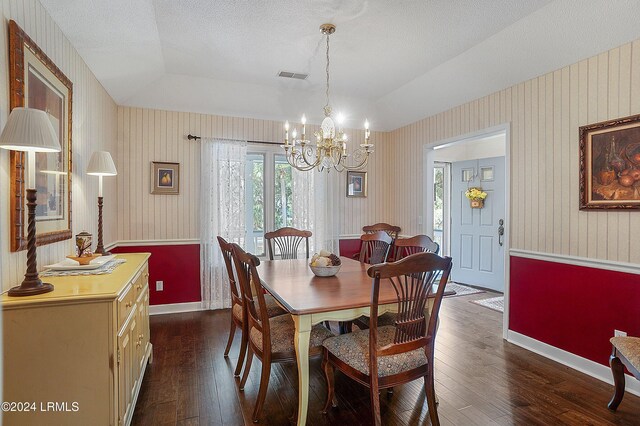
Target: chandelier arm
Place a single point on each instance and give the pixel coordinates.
(308, 150)
(294, 161)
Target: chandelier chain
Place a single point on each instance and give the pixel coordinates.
(327, 89)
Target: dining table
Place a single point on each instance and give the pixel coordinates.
(312, 300)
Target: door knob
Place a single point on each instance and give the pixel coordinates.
(501, 232)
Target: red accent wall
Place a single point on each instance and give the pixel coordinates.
(573, 308)
(348, 248)
(178, 266)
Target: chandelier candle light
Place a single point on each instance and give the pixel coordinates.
(330, 149)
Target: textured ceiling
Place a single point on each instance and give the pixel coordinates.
(393, 61)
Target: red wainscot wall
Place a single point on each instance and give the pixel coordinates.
(574, 308)
(177, 265)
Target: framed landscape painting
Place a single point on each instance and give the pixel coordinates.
(356, 184)
(165, 178)
(610, 164)
(36, 82)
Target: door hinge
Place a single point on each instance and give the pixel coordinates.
(118, 356)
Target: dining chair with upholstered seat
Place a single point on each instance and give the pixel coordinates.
(626, 353)
(375, 247)
(383, 357)
(392, 230)
(403, 247)
(418, 244)
(271, 339)
(238, 317)
(287, 241)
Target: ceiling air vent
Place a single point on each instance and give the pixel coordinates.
(287, 74)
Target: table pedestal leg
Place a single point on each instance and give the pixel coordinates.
(301, 339)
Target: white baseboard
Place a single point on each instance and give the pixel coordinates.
(583, 365)
(174, 308)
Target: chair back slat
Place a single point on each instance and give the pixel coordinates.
(287, 240)
(391, 230)
(412, 279)
(227, 255)
(246, 268)
(375, 248)
(420, 243)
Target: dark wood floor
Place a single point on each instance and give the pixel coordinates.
(480, 380)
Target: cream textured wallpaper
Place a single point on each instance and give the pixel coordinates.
(146, 135)
(94, 128)
(545, 114)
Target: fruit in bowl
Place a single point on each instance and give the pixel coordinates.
(325, 264)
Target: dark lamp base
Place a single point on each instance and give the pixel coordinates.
(30, 288)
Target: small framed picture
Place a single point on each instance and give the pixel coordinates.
(165, 178)
(356, 184)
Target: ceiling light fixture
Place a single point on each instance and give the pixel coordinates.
(330, 149)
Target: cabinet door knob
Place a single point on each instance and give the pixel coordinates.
(127, 305)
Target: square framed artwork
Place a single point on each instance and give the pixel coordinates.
(610, 164)
(165, 178)
(357, 184)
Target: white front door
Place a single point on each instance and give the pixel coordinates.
(477, 248)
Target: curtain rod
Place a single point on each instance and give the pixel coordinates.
(196, 138)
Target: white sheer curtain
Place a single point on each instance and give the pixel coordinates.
(222, 212)
(317, 203)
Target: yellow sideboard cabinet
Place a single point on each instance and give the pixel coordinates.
(77, 355)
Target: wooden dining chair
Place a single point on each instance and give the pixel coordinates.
(383, 357)
(287, 240)
(626, 353)
(238, 314)
(392, 230)
(375, 247)
(404, 247)
(271, 339)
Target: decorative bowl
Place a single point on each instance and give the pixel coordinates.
(325, 271)
(84, 260)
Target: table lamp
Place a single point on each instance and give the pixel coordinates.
(30, 130)
(101, 164)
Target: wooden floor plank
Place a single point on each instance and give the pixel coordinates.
(480, 380)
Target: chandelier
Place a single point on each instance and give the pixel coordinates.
(330, 148)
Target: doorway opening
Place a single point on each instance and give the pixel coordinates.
(474, 234)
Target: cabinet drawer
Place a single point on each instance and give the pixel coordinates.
(125, 304)
(142, 282)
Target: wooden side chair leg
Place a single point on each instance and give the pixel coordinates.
(329, 374)
(243, 352)
(264, 384)
(617, 369)
(247, 368)
(345, 327)
(375, 403)
(429, 387)
(232, 332)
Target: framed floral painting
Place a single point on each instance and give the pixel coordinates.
(610, 164)
(356, 184)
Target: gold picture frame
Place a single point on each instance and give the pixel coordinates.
(36, 82)
(610, 165)
(165, 178)
(356, 184)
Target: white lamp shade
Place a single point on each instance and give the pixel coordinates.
(101, 164)
(29, 129)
